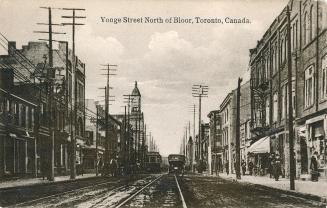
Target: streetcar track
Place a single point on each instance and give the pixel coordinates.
(71, 191)
(64, 193)
(139, 191)
(180, 193)
(146, 186)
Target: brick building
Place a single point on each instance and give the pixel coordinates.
(269, 92)
(18, 144)
(216, 140)
(226, 125)
(31, 66)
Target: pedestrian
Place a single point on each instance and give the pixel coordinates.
(220, 165)
(243, 164)
(113, 167)
(277, 167)
(314, 168)
(78, 167)
(227, 167)
(250, 166)
(100, 166)
(271, 164)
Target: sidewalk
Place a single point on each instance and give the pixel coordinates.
(305, 187)
(34, 181)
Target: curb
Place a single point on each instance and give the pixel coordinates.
(289, 192)
(33, 185)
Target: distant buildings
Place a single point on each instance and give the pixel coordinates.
(36, 140)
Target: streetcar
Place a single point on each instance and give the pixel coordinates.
(153, 162)
(176, 163)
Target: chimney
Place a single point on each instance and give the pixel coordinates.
(6, 78)
(11, 47)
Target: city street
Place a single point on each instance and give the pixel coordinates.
(160, 190)
(186, 104)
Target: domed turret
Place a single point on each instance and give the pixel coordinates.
(136, 91)
(136, 99)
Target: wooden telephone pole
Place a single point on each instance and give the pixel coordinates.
(237, 145)
(290, 106)
(200, 91)
(50, 88)
(108, 144)
(74, 97)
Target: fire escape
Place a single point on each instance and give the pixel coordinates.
(259, 86)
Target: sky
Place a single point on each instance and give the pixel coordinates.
(165, 59)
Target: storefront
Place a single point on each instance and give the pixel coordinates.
(18, 155)
(316, 142)
(259, 153)
(90, 159)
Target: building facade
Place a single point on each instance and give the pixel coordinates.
(269, 81)
(226, 125)
(30, 65)
(216, 140)
(18, 139)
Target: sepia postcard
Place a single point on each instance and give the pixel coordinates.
(163, 103)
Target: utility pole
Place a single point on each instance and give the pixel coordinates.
(193, 146)
(150, 142)
(124, 147)
(238, 155)
(290, 107)
(186, 141)
(108, 143)
(141, 138)
(97, 141)
(143, 145)
(200, 91)
(74, 97)
(129, 99)
(50, 88)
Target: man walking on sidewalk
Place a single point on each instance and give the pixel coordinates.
(277, 167)
(314, 168)
(243, 164)
(250, 167)
(227, 167)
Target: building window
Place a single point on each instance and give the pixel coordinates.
(284, 100)
(259, 73)
(2, 105)
(70, 81)
(267, 111)
(16, 113)
(23, 116)
(305, 28)
(293, 96)
(267, 68)
(80, 127)
(282, 50)
(275, 107)
(308, 86)
(89, 137)
(273, 60)
(311, 24)
(324, 77)
(27, 122)
(295, 35)
(7, 106)
(32, 118)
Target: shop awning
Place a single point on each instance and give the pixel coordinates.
(260, 146)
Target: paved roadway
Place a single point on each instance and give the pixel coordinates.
(152, 191)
